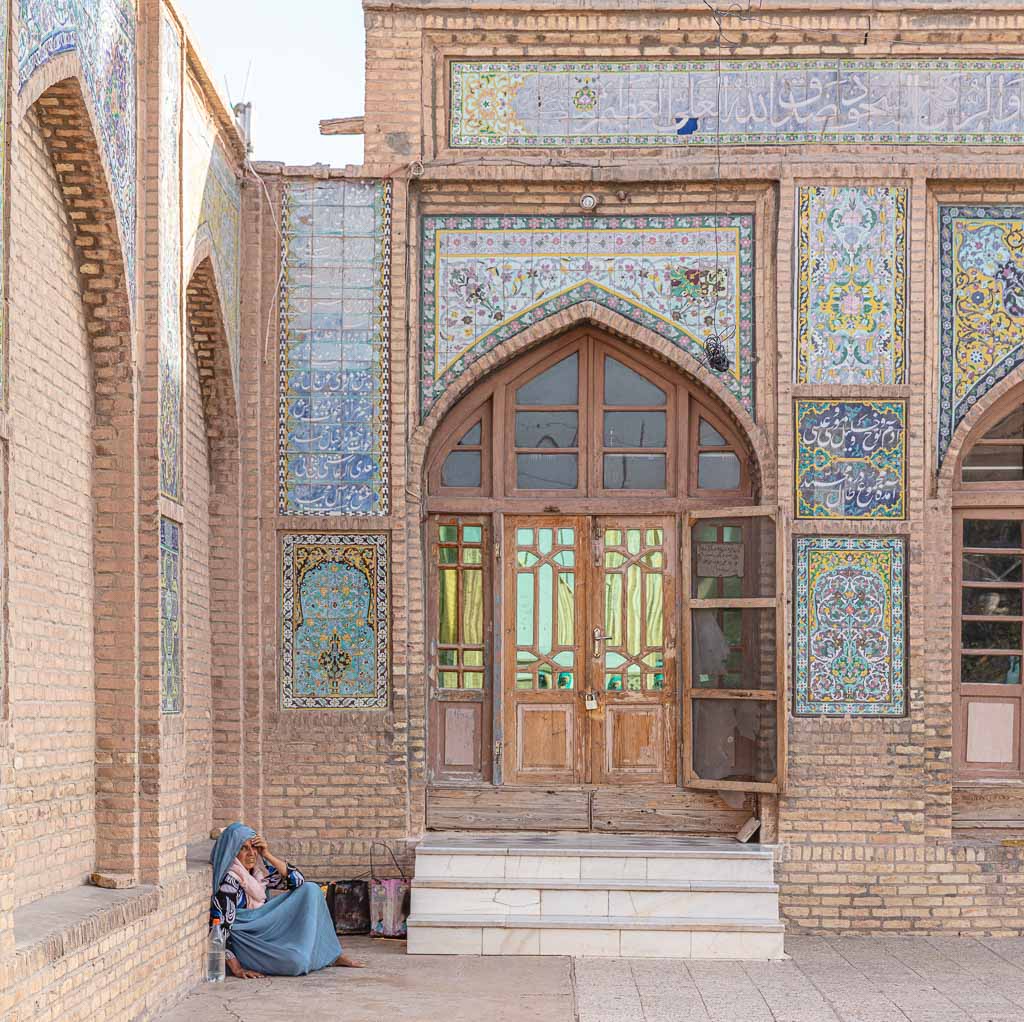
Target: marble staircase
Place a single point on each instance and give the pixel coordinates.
(628, 896)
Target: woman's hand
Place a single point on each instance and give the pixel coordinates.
(235, 966)
(259, 843)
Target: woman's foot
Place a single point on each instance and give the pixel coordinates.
(344, 962)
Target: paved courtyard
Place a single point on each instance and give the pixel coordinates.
(853, 979)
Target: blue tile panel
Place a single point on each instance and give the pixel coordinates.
(981, 306)
(171, 356)
(333, 443)
(849, 626)
(171, 698)
(568, 103)
(851, 459)
(487, 278)
(103, 33)
(335, 622)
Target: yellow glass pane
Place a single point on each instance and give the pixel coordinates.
(634, 581)
(654, 537)
(613, 610)
(655, 611)
(472, 606)
(448, 608)
(654, 559)
(449, 679)
(633, 541)
(473, 555)
(613, 559)
(613, 537)
(524, 680)
(473, 679)
(473, 657)
(566, 609)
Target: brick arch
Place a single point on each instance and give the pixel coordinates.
(208, 345)
(763, 468)
(72, 144)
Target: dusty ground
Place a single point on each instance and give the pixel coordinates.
(853, 979)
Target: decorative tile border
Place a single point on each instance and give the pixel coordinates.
(171, 609)
(487, 278)
(171, 356)
(851, 459)
(981, 303)
(849, 626)
(4, 155)
(335, 621)
(565, 103)
(334, 369)
(103, 31)
(851, 285)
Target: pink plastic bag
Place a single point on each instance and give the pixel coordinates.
(389, 902)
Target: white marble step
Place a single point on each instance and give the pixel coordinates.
(452, 898)
(587, 936)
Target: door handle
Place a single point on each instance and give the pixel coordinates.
(599, 637)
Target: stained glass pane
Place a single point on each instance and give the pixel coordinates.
(634, 609)
(448, 657)
(655, 611)
(633, 541)
(566, 609)
(449, 679)
(472, 607)
(545, 540)
(472, 533)
(654, 537)
(448, 555)
(473, 679)
(524, 537)
(565, 558)
(565, 679)
(613, 610)
(545, 607)
(613, 537)
(448, 606)
(524, 680)
(525, 559)
(473, 555)
(473, 658)
(613, 559)
(448, 533)
(524, 609)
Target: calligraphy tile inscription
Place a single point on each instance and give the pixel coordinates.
(561, 103)
(851, 459)
(487, 278)
(333, 443)
(981, 273)
(851, 285)
(849, 626)
(171, 609)
(335, 599)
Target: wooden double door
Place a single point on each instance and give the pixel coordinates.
(588, 652)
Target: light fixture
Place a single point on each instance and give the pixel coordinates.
(588, 202)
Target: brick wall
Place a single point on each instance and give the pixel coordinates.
(51, 822)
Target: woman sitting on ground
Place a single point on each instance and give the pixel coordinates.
(288, 935)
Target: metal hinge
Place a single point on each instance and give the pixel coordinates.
(497, 750)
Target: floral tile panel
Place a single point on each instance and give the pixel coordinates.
(171, 609)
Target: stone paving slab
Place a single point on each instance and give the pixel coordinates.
(834, 979)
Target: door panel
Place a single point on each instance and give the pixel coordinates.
(633, 662)
(545, 580)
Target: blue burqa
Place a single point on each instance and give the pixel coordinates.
(291, 934)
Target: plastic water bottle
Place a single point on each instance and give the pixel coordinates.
(216, 946)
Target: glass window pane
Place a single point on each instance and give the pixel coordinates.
(448, 657)
(546, 471)
(472, 437)
(1010, 428)
(473, 679)
(472, 606)
(449, 679)
(558, 385)
(991, 602)
(989, 670)
(718, 471)
(448, 608)
(992, 568)
(995, 533)
(473, 658)
(734, 649)
(634, 429)
(734, 739)
(634, 471)
(448, 555)
(986, 463)
(734, 557)
(623, 386)
(547, 429)
(991, 634)
(448, 533)
(462, 468)
(472, 534)
(710, 437)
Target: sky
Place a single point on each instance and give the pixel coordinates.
(297, 63)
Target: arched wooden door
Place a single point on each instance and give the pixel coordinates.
(557, 496)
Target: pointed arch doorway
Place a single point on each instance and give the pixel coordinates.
(602, 602)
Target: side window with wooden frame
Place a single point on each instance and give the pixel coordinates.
(733, 651)
(460, 647)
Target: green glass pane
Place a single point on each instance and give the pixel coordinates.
(731, 625)
(654, 537)
(614, 659)
(565, 679)
(545, 540)
(524, 609)
(655, 559)
(543, 680)
(472, 534)
(634, 582)
(545, 608)
(732, 534)
(655, 682)
(613, 682)
(448, 555)
(448, 608)
(613, 537)
(706, 588)
(473, 679)
(566, 658)
(524, 537)
(706, 534)
(473, 607)
(525, 559)
(633, 679)
(473, 555)
(448, 657)
(473, 658)
(448, 533)
(654, 607)
(633, 540)
(654, 660)
(613, 610)
(566, 537)
(565, 558)
(613, 559)
(731, 586)
(524, 680)
(566, 609)
(524, 656)
(449, 679)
